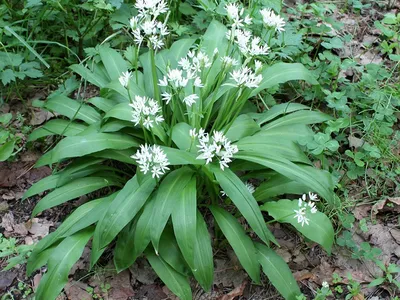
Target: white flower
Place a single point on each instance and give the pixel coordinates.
(163, 82)
(313, 197)
(247, 43)
(192, 133)
(246, 77)
(258, 65)
(301, 216)
(250, 187)
(166, 97)
(197, 82)
(228, 61)
(151, 7)
(325, 285)
(146, 111)
(217, 146)
(190, 100)
(133, 22)
(153, 159)
(272, 20)
(124, 78)
(235, 15)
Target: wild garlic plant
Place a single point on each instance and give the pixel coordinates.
(164, 144)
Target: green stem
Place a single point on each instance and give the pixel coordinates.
(154, 75)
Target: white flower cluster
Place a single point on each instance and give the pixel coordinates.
(246, 77)
(300, 214)
(146, 111)
(145, 26)
(151, 159)
(247, 43)
(270, 19)
(235, 15)
(248, 185)
(190, 68)
(124, 78)
(217, 146)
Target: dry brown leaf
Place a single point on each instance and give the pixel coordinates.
(359, 297)
(36, 281)
(238, 291)
(39, 227)
(355, 142)
(76, 290)
(20, 229)
(121, 288)
(7, 222)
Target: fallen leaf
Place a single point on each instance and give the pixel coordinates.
(121, 288)
(39, 227)
(359, 297)
(355, 142)
(8, 196)
(361, 211)
(3, 206)
(7, 222)
(6, 279)
(40, 116)
(76, 290)
(227, 274)
(20, 229)
(36, 281)
(395, 234)
(238, 291)
(141, 271)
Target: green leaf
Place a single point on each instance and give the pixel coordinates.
(60, 263)
(72, 190)
(169, 251)
(94, 78)
(5, 118)
(38, 259)
(121, 111)
(299, 117)
(281, 73)
(203, 256)
(274, 4)
(215, 37)
(47, 183)
(244, 201)
(119, 155)
(59, 127)
(113, 62)
(242, 126)
(311, 178)
(84, 216)
(278, 110)
(319, 230)
(175, 281)
(278, 272)
(7, 76)
(6, 150)
(181, 137)
(72, 109)
(123, 251)
(279, 185)
(180, 157)
(123, 209)
(240, 242)
(168, 197)
(102, 103)
(184, 221)
(78, 146)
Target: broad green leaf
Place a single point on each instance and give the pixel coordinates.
(123, 209)
(298, 117)
(72, 109)
(172, 55)
(59, 127)
(285, 149)
(102, 103)
(78, 146)
(319, 230)
(84, 216)
(72, 190)
(181, 137)
(119, 155)
(123, 251)
(284, 72)
(169, 251)
(278, 272)
(38, 259)
(274, 4)
(311, 178)
(94, 78)
(288, 133)
(115, 125)
(174, 280)
(244, 201)
(121, 111)
(240, 242)
(47, 183)
(168, 197)
(180, 157)
(277, 110)
(62, 258)
(143, 227)
(184, 221)
(113, 62)
(6, 150)
(203, 256)
(278, 185)
(215, 38)
(243, 126)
